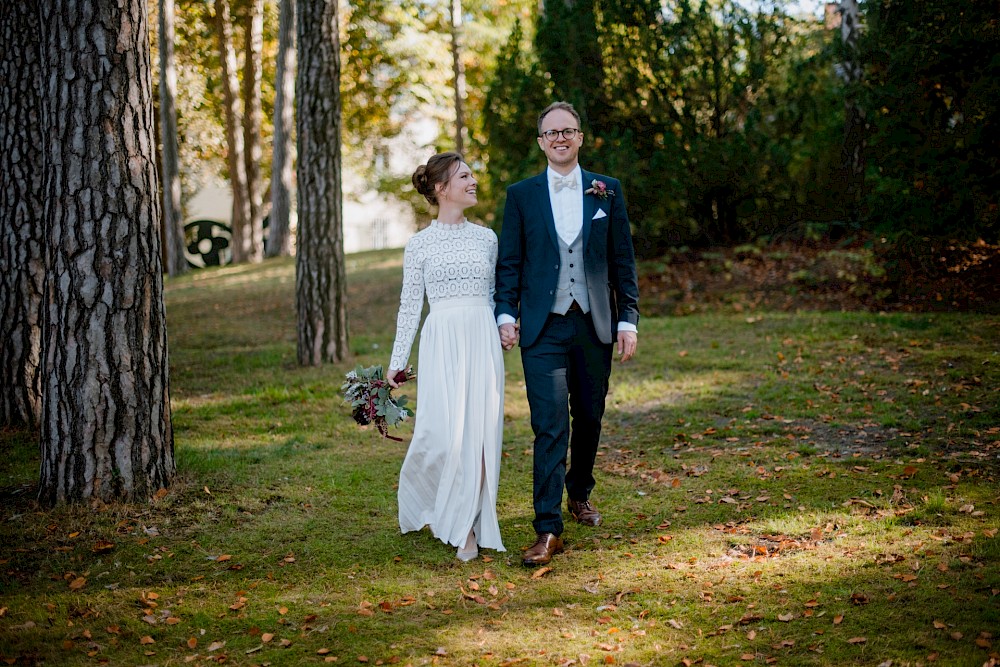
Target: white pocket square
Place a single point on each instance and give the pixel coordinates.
(600, 214)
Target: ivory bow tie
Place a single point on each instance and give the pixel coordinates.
(560, 182)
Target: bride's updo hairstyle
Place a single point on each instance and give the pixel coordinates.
(437, 170)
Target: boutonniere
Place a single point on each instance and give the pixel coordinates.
(599, 189)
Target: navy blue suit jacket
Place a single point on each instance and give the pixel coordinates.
(528, 258)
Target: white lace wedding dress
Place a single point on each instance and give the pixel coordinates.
(451, 471)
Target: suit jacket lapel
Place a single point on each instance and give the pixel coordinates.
(589, 207)
(545, 204)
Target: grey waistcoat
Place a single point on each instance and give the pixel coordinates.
(572, 285)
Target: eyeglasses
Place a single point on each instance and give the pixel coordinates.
(568, 134)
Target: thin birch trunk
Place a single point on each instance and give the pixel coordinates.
(242, 237)
(173, 221)
(279, 242)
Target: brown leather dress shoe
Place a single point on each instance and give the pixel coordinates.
(584, 512)
(545, 547)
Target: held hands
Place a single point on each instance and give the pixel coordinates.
(627, 342)
(509, 335)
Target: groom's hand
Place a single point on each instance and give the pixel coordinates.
(627, 342)
(508, 336)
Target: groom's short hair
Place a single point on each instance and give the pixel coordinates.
(563, 106)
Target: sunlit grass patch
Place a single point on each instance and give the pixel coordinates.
(774, 485)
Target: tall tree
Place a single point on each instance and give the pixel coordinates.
(105, 430)
(173, 223)
(22, 269)
(242, 233)
(518, 91)
(458, 72)
(279, 242)
(321, 283)
(252, 121)
(852, 154)
(569, 48)
(932, 79)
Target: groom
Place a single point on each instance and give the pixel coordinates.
(566, 268)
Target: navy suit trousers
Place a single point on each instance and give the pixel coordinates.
(566, 373)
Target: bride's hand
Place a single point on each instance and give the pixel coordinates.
(391, 378)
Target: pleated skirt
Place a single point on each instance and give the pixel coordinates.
(451, 472)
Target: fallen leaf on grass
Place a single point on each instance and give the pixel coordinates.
(675, 624)
(857, 640)
(541, 572)
(215, 646)
(192, 642)
(837, 619)
(147, 640)
(266, 637)
(785, 618)
(940, 625)
(102, 547)
(77, 584)
(223, 558)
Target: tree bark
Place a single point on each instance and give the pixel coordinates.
(252, 121)
(279, 241)
(22, 268)
(458, 73)
(321, 285)
(173, 221)
(105, 431)
(242, 236)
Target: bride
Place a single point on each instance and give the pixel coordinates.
(451, 471)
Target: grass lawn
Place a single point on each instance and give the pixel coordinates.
(812, 488)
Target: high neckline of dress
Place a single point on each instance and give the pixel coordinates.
(449, 226)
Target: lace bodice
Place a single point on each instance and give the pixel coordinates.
(443, 261)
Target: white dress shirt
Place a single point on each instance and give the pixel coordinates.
(567, 204)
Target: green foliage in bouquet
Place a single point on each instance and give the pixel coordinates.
(371, 399)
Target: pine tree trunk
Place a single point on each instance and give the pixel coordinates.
(279, 241)
(173, 223)
(22, 268)
(252, 120)
(242, 237)
(105, 431)
(321, 285)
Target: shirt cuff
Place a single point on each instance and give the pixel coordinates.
(628, 326)
(504, 318)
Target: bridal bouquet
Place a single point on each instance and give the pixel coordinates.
(371, 398)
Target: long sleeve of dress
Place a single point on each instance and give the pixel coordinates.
(411, 303)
